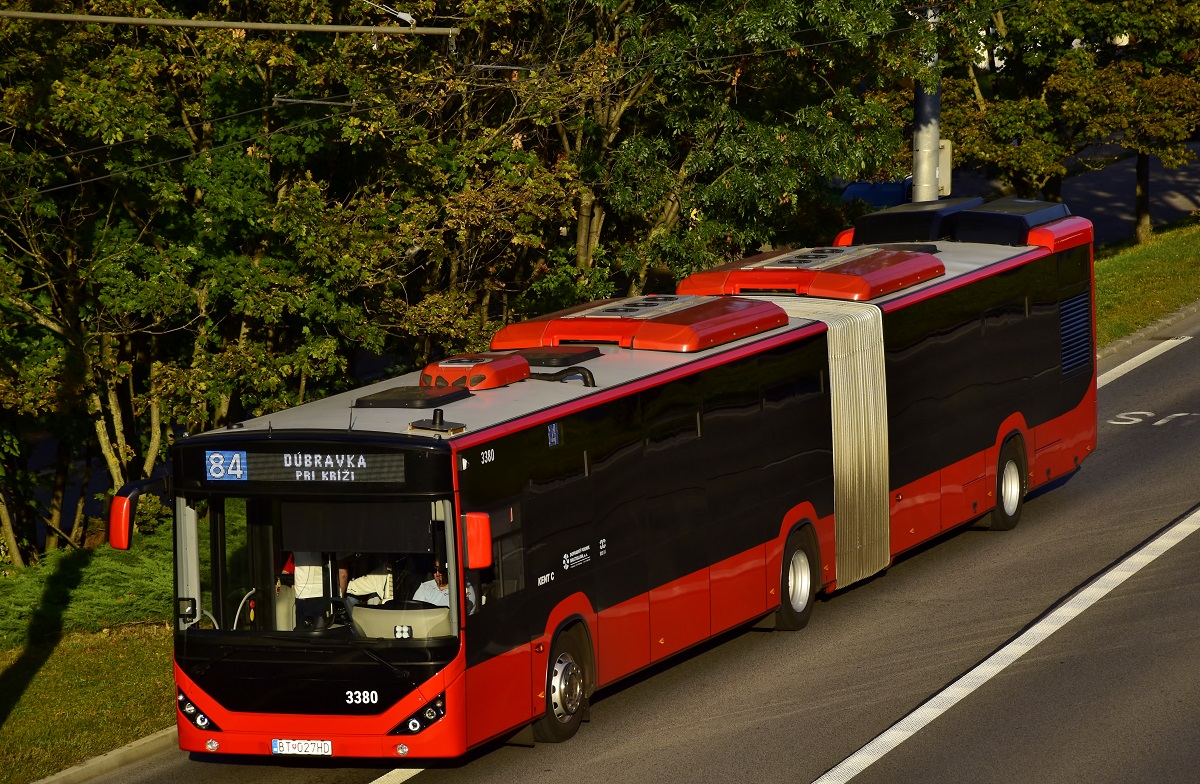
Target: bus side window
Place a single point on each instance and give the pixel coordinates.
(506, 575)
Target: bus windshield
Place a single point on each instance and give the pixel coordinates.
(381, 568)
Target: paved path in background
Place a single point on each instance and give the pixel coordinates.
(1105, 196)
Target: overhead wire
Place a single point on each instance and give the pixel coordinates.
(227, 145)
(355, 110)
(125, 142)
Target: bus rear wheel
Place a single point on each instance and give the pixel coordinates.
(1010, 485)
(566, 691)
(798, 580)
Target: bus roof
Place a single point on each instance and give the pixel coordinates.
(614, 369)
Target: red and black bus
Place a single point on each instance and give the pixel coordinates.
(467, 553)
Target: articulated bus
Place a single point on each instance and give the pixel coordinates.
(466, 553)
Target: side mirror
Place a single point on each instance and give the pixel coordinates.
(478, 533)
(123, 510)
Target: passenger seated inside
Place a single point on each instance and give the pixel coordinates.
(364, 579)
(437, 590)
(312, 601)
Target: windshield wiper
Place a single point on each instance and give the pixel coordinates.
(397, 671)
(208, 663)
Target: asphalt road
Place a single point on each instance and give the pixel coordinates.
(1113, 695)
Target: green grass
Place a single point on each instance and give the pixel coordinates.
(69, 690)
(88, 590)
(1138, 285)
(81, 696)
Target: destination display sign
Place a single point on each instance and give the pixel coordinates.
(307, 467)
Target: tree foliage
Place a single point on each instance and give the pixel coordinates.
(1051, 78)
(200, 225)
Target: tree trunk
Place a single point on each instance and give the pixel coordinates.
(1143, 232)
(668, 218)
(102, 438)
(1052, 190)
(120, 448)
(79, 525)
(10, 534)
(62, 471)
(587, 229)
(155, 432)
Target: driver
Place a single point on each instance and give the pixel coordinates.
(437, 590)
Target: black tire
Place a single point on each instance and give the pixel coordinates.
(1012, 483)
(798, 580)
(566, 691)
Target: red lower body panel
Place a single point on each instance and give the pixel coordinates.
(498, 694)
(736, 586)
(679, 614)
(623, 639)
(1060, 445)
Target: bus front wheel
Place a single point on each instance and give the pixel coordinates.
(566, 691)
(798, 580)
(1010, 485)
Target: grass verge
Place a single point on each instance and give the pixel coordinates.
(1138, 285)
(57, 703)
(84, 695)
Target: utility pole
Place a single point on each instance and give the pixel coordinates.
(927, 128)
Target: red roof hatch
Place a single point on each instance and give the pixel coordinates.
(653, 322)
(476, 371)
(855, 273)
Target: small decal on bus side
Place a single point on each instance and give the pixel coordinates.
(487, 456)
(577, 557)
(221, 466)
(552, 434)
(545, 578)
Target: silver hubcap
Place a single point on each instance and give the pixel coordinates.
(1010, 488)
(799, 581)
(566, 687)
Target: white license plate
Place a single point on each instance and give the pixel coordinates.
(303, 748)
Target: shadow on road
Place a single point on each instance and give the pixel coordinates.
(44, 631)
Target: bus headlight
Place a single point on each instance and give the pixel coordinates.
(193, 714)
(430, 714)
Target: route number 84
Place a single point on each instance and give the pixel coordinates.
(223, 465)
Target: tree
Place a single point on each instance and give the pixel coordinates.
(1055, 78)
(202, 225)
(151, 262)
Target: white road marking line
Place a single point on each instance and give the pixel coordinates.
(950, 696)
(1141, 359)
(397, 776)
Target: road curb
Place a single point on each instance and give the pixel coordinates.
(117, 758)
(1147, 332)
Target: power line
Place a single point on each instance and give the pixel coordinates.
(213, 24)
(218, 148)
(115, 145)
(697, 60)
